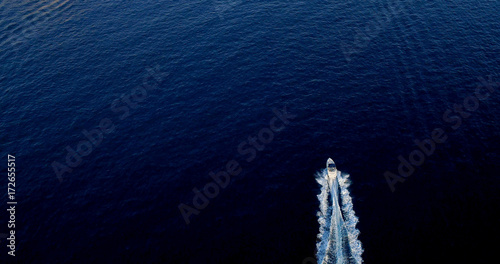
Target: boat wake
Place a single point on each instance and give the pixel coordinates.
(338, 241)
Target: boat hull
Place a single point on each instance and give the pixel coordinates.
(331, 169)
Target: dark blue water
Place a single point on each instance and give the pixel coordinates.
(361, 79)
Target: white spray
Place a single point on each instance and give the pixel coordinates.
(338, 241)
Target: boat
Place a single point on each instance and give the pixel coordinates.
(331, 169)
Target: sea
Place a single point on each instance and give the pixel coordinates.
(194, 131)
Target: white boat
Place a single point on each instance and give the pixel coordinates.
(332, 169)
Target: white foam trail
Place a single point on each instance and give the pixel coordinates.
(350, 218)
(324, 217)
(338, 241)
